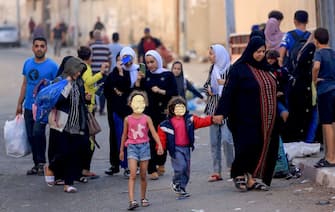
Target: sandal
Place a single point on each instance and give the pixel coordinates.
(145, 202)
(214, 177)
(258, 186)
(59, 182)
(240, 183)
(70, 189)
(132, 205)
(83, 179)
(323, 163)
(91, 175)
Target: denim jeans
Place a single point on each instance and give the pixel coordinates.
(221, 135)
(181, 166)
(36, 137)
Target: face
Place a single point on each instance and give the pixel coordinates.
(259, 54)
(211, 56)
(176, 69)
(39, 48)
(179, 110)
(138, 104)
(151, 63)
(271, 60)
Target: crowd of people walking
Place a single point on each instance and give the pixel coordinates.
(250, 106)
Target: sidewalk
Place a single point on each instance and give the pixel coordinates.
(322, 176)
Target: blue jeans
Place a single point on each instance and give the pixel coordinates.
(118, 124)
(36, 137)
(181, 166)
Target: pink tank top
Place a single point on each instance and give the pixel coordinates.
(137, 130)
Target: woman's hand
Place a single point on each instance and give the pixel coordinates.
(218, 119)
(156, 89)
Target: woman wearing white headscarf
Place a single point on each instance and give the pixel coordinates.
(118, 86)
(161, 86)
(220, 59)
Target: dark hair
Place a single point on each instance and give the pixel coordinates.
(276, 14)
(272, 54)
(40, 39)
(321, 35)
(115, 37)
(138, 92)
(84, 52)
(301, 16)
(173, 102)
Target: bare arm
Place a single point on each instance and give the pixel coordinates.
(154, 134)
(21, 96)
(123, 138)
(315, 72)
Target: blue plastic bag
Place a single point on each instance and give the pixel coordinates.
(47, 98)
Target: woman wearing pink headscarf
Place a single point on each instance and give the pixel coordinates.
(273, 35)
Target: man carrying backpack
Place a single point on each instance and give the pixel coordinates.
(294, 40)
(297, 55)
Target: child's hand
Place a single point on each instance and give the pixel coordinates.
(121, 156)
(160, 150)
(218, 119)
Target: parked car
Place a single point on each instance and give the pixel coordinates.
(9, 35)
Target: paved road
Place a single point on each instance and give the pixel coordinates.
(19, 192)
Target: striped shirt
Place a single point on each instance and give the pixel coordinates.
(100, 55)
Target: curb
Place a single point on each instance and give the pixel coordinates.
(322, 176)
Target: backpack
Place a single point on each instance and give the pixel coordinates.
(300, 41)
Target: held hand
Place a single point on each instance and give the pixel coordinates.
(121, 156)
(156, 89)
(88, 96)
(218, 119)
(160, 150)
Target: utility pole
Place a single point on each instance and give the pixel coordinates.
(18, 17)
(182, 36)
(230, 20)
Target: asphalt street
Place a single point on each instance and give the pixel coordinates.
(19, 192)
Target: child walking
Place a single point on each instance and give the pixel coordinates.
(177, 136)
(323, 76)
(135, 137)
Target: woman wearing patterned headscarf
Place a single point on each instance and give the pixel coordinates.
(249, 102)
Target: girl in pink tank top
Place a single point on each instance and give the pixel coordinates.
(135, 137)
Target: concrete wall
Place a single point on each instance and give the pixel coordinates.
(205, 19)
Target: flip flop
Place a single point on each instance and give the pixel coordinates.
(214, 178)
(323, 163)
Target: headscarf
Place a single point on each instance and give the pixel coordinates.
(133, 69)
(247, 56)
(159, 61)
(180, 80)
(61, 67)
(220, 67)
(273, 34)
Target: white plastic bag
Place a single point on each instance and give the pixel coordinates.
(15, 135)
(300, 149)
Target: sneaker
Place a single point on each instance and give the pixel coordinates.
(126, 173)
(112, 170)
(32, 171)
(184, 193)
(175, 188)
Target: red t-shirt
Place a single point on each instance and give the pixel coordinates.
(181, 137)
